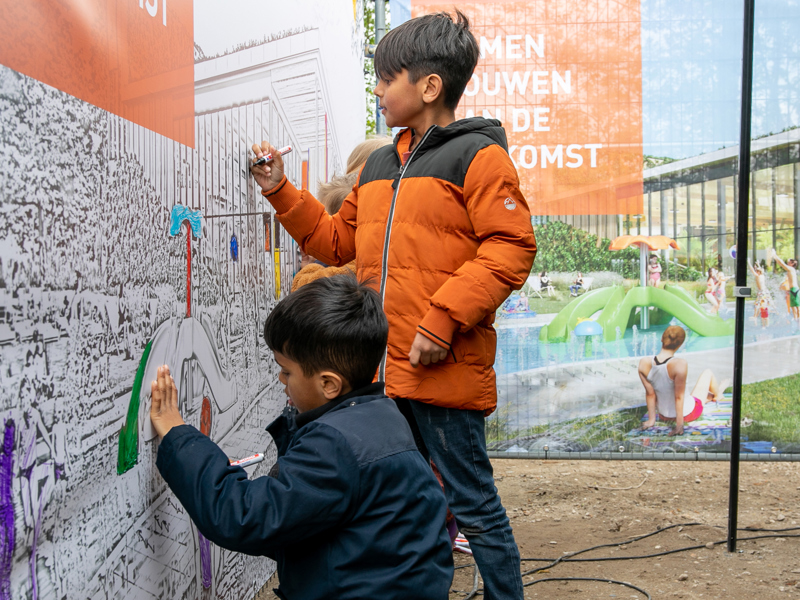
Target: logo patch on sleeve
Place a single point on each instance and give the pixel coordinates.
(510, 204)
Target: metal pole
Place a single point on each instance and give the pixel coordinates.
(703, 218)
(721, 218)
(741, 266)
(644, 257)
(796, 192)
(380, 31)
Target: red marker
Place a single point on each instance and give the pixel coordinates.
(247, 462)
(265, 159)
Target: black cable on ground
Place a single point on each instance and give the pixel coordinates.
(776, 533)
(762, 528)
(630, 585)
(474, 591)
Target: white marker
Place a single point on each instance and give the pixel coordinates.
(247, 462)
(265, 159)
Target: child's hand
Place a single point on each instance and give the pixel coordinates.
(164, 411)
(677, 430)
(425, 351)
(269, 174)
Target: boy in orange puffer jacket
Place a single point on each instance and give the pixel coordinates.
(438, 222)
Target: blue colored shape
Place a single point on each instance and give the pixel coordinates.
(234, 248)
(399, 11)
(757, 447)
(180, 214)
(588, 328)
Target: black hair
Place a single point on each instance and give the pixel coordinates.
(432, 44)
(334, 323)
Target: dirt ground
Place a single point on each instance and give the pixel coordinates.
(560, 507)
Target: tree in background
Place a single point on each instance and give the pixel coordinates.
(564, 248)
(369, 65)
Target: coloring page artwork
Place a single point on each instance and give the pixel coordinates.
(96, 292)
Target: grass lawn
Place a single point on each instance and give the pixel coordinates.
(549, 304)
(773, 406)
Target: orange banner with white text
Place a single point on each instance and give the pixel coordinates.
(565, 79)
(133, 58)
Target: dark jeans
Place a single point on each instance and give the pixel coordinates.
(455, 440)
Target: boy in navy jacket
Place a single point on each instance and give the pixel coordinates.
(349, 509)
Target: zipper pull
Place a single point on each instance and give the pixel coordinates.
(399, 175)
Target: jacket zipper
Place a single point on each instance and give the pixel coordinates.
(386, 239)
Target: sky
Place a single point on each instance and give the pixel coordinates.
(691, 73)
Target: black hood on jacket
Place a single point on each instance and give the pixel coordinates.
(491, 128)
(442, 153)
(436, 135)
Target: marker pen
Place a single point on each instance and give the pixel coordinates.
(265, 159)
(277, 259)
(248, 461)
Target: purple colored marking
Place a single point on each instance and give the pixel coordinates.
(205, 560)
(6, 510)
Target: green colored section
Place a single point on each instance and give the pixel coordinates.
(619, 311)
(773, 407)
(582, 307)
(128, 453)
(672, 300)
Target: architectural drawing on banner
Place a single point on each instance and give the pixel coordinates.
(98, 287)
(176, 342)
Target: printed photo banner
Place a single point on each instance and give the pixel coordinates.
(134, 59)
(565, 79)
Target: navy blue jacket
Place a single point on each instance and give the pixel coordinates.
(352, 511)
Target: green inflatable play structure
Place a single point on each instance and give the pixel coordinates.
(619, 312)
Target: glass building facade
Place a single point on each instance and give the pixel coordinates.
(695, 201)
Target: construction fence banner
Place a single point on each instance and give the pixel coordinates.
(622, 122)
(134, 236)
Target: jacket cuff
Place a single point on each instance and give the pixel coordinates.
(283, 196)
(438, 327)
(172, 443)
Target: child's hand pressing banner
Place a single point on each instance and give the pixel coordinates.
(164, 411)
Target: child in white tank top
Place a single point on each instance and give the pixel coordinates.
(664, 379)
(664, 387)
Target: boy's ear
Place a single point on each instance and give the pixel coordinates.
(332, 384)
(432, 88)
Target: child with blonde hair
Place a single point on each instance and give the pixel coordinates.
(361, 153)
(331, 195)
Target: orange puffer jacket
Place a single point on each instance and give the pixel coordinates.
(445, 238)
